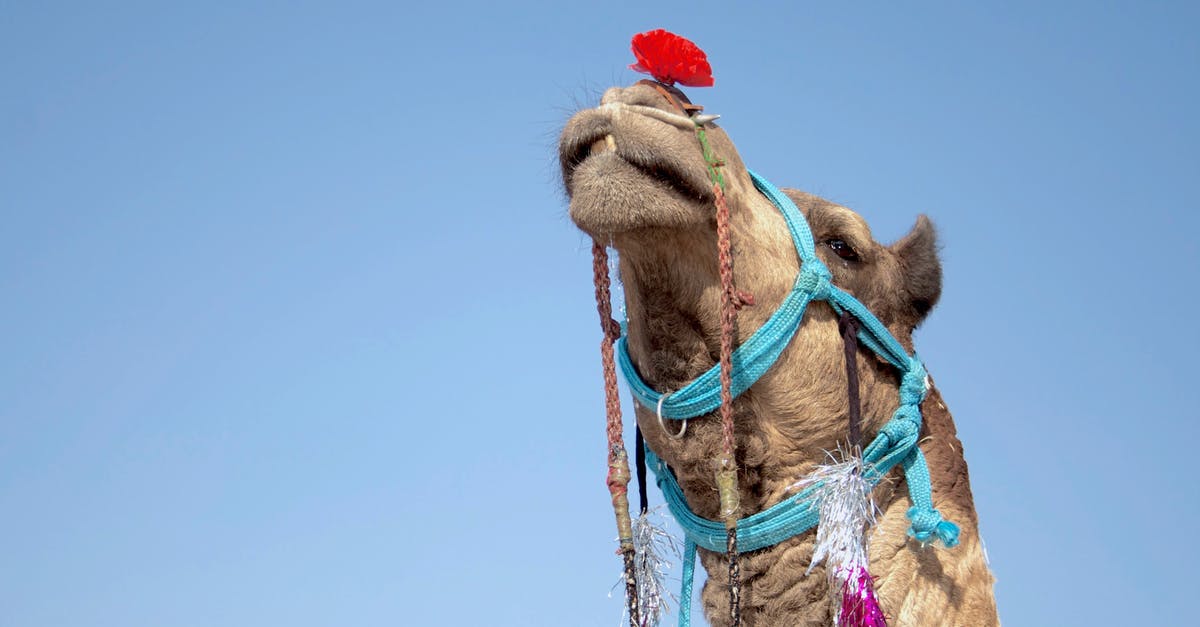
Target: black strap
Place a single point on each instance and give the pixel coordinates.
(848, 325)
(639, 457)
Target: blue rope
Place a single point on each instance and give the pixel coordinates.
(896, 443)
(689, 574)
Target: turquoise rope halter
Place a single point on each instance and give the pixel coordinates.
(896, 443)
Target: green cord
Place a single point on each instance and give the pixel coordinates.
(710, 159)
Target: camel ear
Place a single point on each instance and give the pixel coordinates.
(920, 267)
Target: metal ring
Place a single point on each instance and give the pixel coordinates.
(673, 436)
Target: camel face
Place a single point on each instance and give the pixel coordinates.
(636, 175)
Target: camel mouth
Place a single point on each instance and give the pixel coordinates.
(624, 170)
(662, 169)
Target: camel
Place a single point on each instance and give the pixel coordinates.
(637, 181)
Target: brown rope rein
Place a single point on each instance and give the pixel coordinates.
(727, 468)
(618, 460)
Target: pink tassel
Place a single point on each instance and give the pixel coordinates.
(860, 608)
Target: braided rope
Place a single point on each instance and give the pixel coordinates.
(728, 323)
(727, 466)
(618, 460)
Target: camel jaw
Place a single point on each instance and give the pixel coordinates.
(627, 168)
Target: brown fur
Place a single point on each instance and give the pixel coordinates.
(647, 194)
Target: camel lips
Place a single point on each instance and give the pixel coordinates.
(674, 119)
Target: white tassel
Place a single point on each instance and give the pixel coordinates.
(847, 511)
(653, 548)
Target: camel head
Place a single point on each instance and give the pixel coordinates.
(636, 175)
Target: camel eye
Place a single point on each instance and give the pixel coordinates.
(842, 249)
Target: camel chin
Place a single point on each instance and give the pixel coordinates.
(612, 197)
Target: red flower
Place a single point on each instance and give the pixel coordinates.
(671, 59)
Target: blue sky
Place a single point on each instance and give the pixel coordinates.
(295, 329)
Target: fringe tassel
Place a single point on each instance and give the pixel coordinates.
(847, 510)
(653, 548)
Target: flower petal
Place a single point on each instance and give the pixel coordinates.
(671, 59)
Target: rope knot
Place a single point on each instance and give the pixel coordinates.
(928, 525)
(742, 298)
(815, 279)
(914, 384)
(611, 329)
(901, 429)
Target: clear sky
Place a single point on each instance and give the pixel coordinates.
(294, 329)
